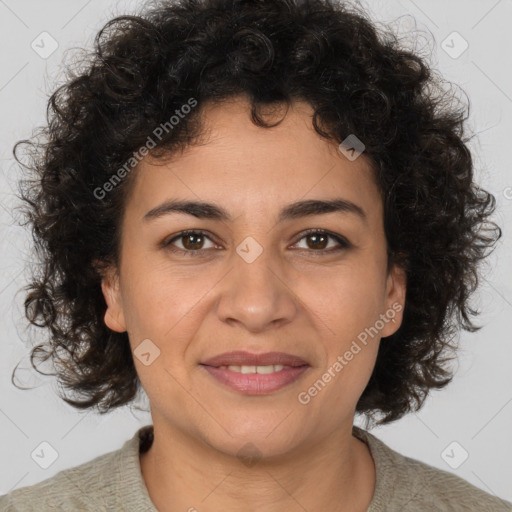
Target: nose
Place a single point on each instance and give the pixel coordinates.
(257, 294)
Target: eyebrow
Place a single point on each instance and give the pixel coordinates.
(295, 210)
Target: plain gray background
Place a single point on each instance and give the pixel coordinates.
(471, 418)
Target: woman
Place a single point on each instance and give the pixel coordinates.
(264, 214)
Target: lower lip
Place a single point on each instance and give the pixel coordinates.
(255, 383)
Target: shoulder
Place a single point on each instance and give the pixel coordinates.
(82, 487)
(409, 485)
(97, 485)
(436, 489)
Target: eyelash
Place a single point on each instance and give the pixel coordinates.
(344, 244)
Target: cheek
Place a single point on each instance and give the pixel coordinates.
(351, 345)
(350, 298)
(162, 303)
(161, 307)
(349, 312)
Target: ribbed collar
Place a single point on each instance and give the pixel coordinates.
(131, 491)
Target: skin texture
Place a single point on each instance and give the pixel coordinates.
(289, 299)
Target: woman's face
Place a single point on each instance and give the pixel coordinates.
(255, 282)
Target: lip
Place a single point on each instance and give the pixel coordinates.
(243, 358)
(255, 383)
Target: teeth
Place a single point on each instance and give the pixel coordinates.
(255, 369)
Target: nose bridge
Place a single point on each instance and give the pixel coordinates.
(256, 265)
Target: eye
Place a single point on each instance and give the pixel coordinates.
(192, 242)
(319, 241)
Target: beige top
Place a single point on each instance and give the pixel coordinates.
(113, 482)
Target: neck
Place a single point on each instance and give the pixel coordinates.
(335, 474)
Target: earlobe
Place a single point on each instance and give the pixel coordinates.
(114, 316)
(395, 300)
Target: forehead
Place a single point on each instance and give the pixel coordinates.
(242, 165)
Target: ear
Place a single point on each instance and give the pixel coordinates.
(114, 315)
(396, 288)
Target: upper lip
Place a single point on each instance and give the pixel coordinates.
(242, 358)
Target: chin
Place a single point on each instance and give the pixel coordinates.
(254, 438)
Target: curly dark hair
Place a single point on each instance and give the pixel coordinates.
(357, 78)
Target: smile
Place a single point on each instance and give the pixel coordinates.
(256, 380)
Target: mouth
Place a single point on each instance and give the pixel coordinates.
(255, 374)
